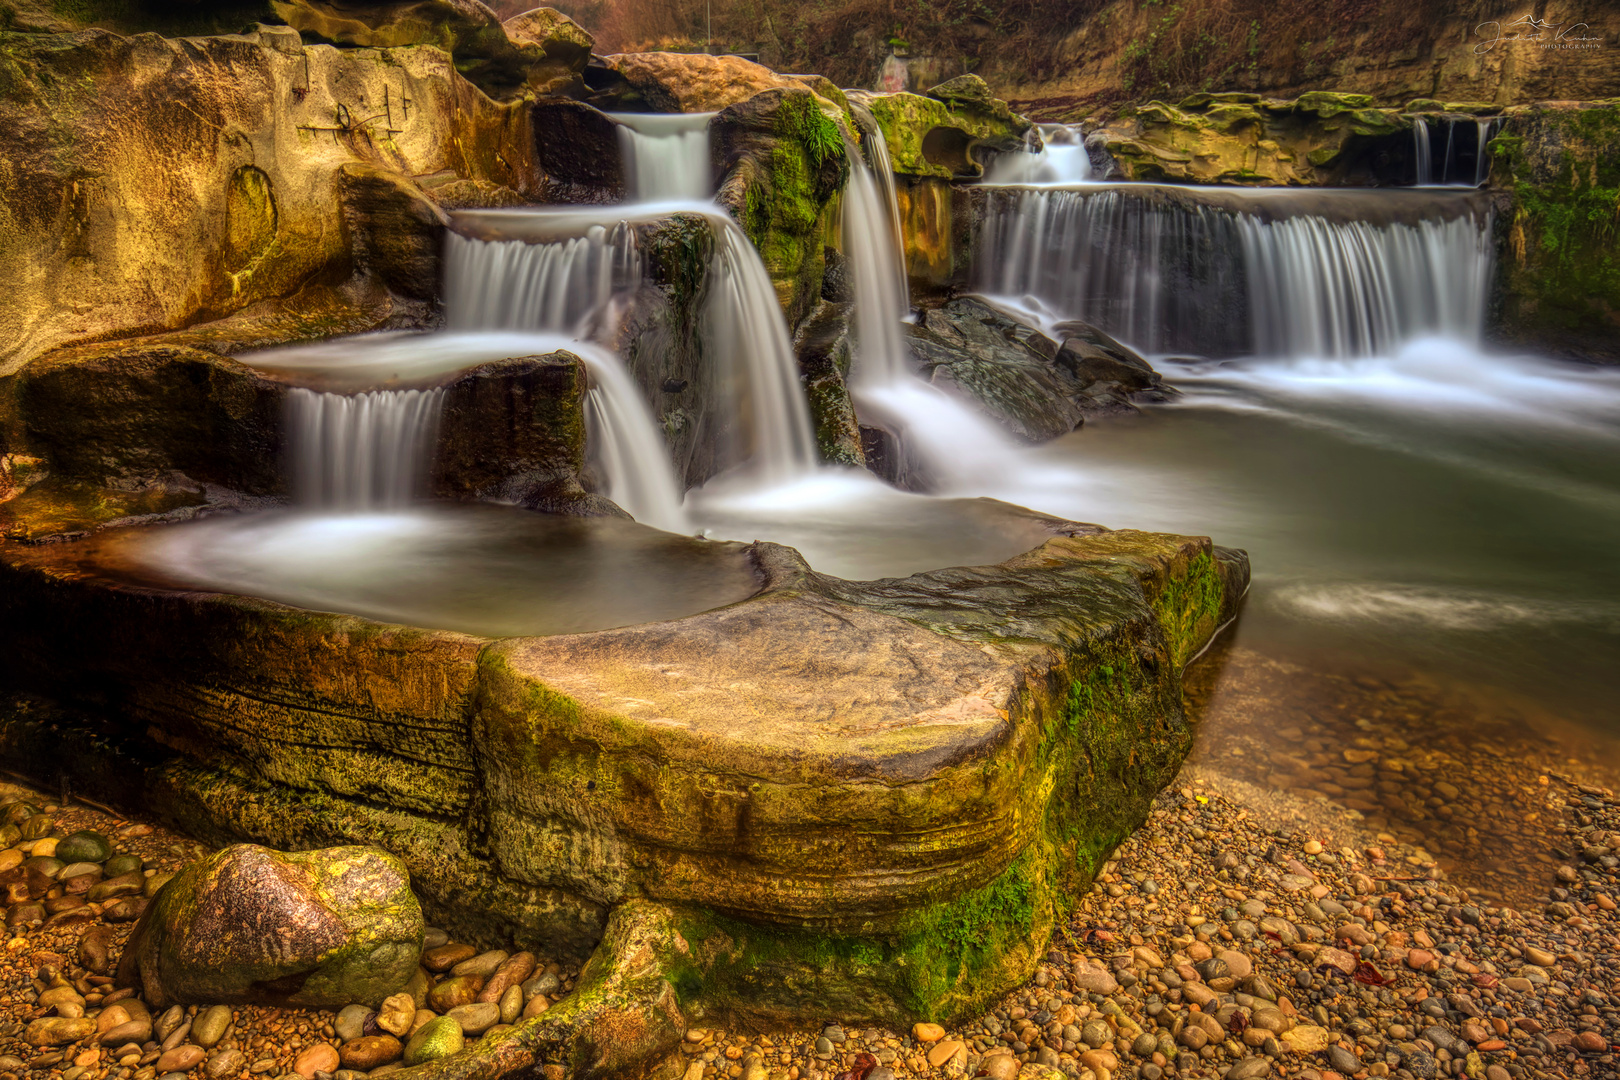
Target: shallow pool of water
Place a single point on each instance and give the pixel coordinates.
(485, 570)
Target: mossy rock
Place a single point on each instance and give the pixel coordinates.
(928, 137)
(84, 846)
(249, 925)
(1558, 277)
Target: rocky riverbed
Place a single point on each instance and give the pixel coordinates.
(1243, 932)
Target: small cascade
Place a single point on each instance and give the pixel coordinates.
(943, 442)
(566, 286)
(1464, 163)
(1233, 273)
(1347, 288)
(666, 155)
(746, 325)
(1482, 159)
(627, 445)
(1420, 140)
(569, 286)
(1157, 273)
(1055, 155)
(877, 155)
(361, 452)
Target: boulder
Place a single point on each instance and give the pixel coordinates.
(1034, 386)
(542, 50)
(1321, 137)
(945, 137)
(250, 925)
(782, 158)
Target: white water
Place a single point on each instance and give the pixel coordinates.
(666, 155)
(565, 286)
(745, 323)
(361, 451)
(626, 442)
(1347, 288)
(1450, 173)
(1060, 158)
(1425, 160)
(1254, 276)
(945, 444)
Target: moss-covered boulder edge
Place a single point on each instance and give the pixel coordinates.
(1558, 280)
(869, 798)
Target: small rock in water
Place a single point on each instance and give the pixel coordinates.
(396, 1014)
(351, 1022)
(477, 1018)
(210, 1025)
(370, 1051)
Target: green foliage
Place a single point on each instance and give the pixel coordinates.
(1189, 607)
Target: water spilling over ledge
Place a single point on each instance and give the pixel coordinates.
(1239, 272)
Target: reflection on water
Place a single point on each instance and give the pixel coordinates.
(483, 570)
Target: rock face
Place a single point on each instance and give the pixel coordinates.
(215, 166)
(945, 138)
(781, 159)
(542, 50)
(1330, 139)
(1559, 273)
(248, 925)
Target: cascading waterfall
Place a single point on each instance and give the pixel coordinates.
(516, 285)
(1054, 154)
(745, 323)
(361, 452)
(882, 166)
(1482, 160)
(1156, 273)
(567, 286)
(666, 155)
(942, 441)
(1265, 272)
(1347, 288)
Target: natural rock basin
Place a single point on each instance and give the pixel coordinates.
(494, 571)
(872, 796)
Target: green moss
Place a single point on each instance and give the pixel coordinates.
(1189, 607)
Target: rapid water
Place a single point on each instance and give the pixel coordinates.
(363, 451)
(1056, 156)
(1236, 272)
(946, 445)
(564, 286)
(666, 155)
(1464, 162)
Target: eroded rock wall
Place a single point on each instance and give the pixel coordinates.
(147, 184)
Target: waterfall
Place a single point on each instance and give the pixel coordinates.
(1420, 139)
(361, 451)
(942, 440)
(1482, 161)
(666, 155)
(628, 446)
(1054, 154)
(1234, 273)
(568, 286)
(1347, 288)
(745, 322)
(877, 152)
(1157, 273)
(517, 285)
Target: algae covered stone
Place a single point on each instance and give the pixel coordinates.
(437, 1039)
(84, 846)
(250, 925)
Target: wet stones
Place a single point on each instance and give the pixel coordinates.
(252, 925)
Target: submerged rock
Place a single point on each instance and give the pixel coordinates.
(249, 925)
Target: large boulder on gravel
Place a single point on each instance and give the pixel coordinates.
(250, 925)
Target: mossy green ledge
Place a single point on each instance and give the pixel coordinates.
(874, 799)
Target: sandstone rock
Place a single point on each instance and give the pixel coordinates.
(1319, 137)
(696, 82)
(250, 925)
(369, 1051)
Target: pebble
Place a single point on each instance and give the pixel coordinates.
(477, 1018)
(322, 1057)
(210, 1025)
(439, 1038)
(369, 1051)
(351, 1022)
